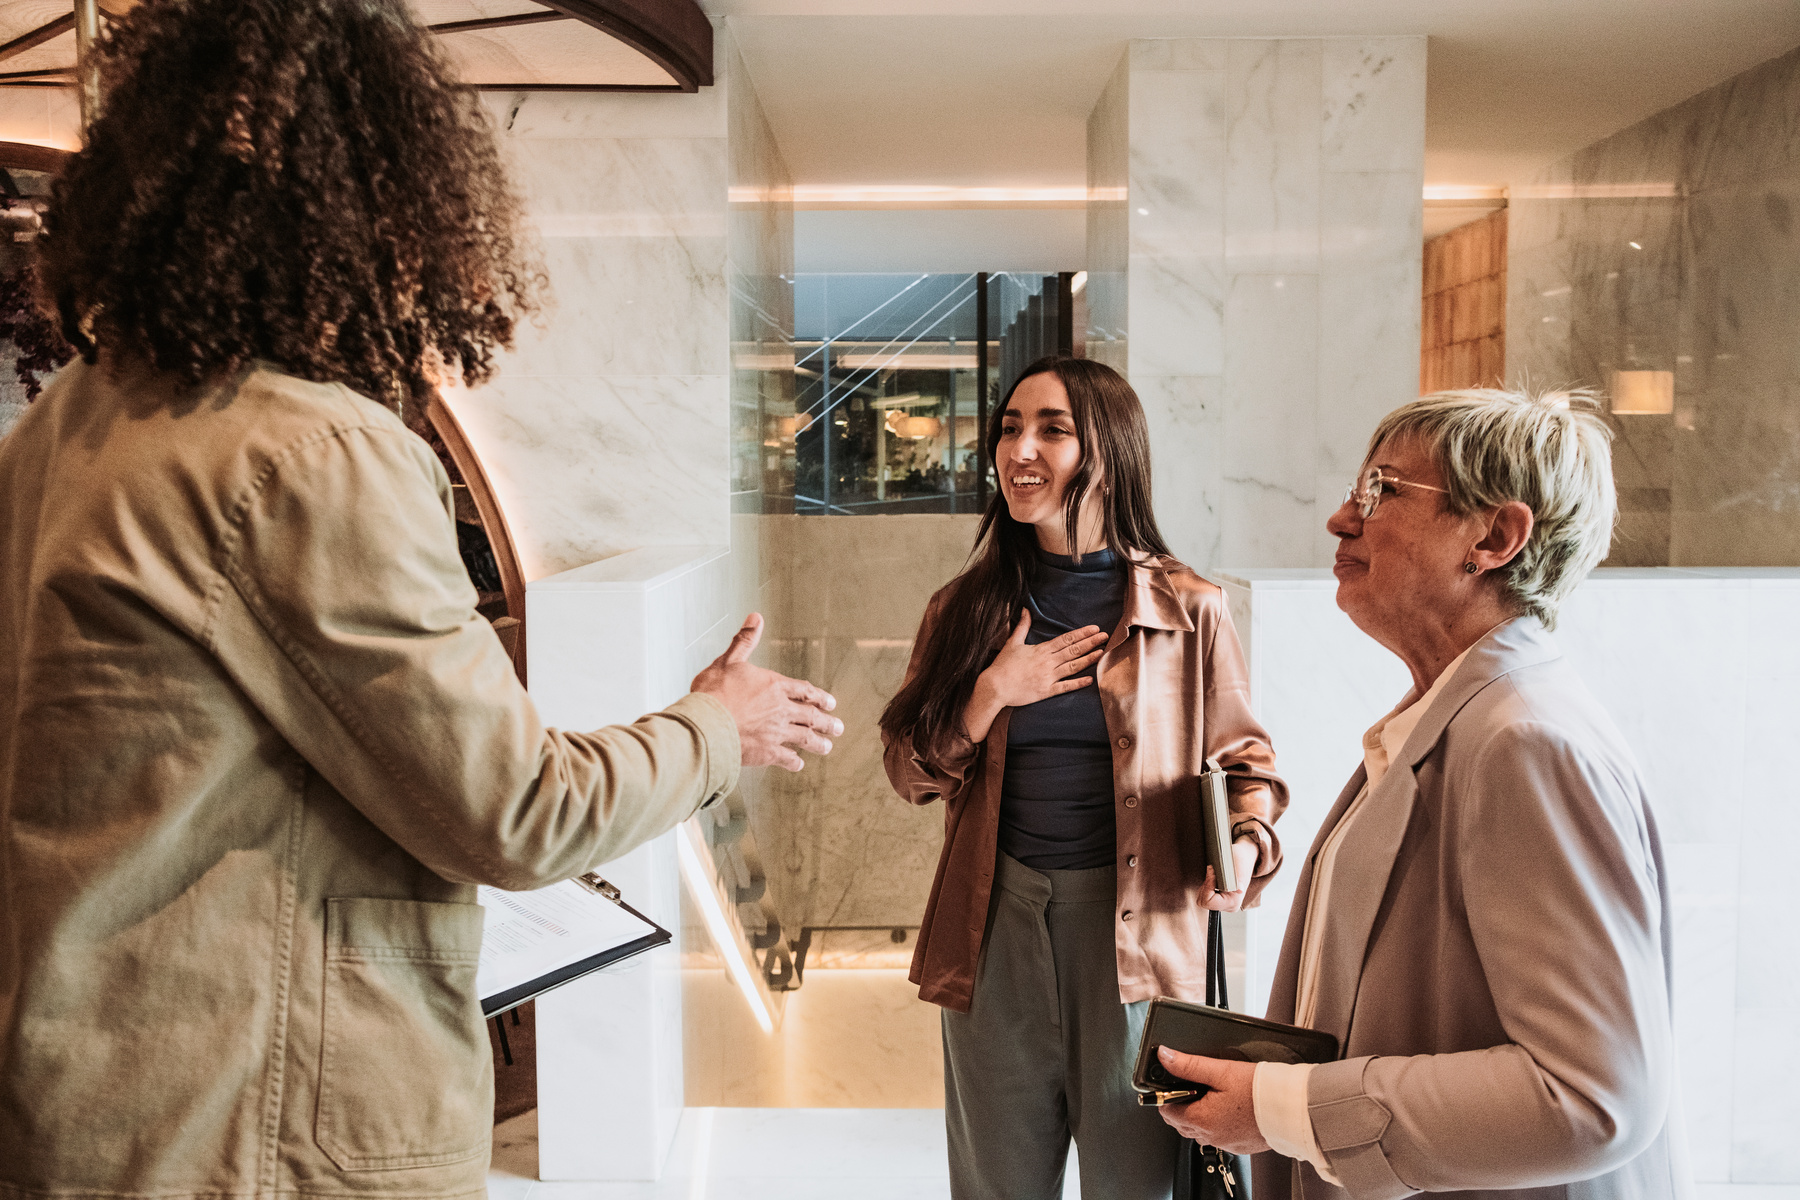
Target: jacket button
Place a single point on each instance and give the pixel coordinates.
(1126, 916)
(1131, 802)
(1131, 860)
(1124, 743)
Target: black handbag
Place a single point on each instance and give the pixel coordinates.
(1207, 1172)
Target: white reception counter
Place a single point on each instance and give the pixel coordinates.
(1701, 669)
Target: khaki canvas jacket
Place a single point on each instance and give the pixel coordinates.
(1175, 692)
(1496, 959)
(256, 749)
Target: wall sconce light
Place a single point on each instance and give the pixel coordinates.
(1643, 393)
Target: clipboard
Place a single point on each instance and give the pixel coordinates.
(533, 942)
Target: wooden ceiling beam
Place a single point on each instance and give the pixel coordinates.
(480, 23)
(674, 34)
(37, 37)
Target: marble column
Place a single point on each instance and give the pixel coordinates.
(1254, 245)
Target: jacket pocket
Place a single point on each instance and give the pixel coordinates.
(405, 1078)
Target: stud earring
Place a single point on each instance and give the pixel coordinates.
(1470, 567)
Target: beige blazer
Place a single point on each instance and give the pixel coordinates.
(1496, 963)
(256, 749)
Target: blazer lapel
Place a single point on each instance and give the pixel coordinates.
(1365, 859)
(1284, 987)
(1359, 879)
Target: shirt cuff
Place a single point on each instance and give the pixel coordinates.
(718, 731)
(1278, 1091)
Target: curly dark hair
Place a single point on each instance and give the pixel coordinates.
(298, 181)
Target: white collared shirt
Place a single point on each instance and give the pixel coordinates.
(1279, 1090)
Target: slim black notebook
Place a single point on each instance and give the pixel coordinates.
(535, 941)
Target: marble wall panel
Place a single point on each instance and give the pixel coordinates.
(1268, 512)
(1177, 227)
(851, 852)
(568, 440)
(1374, 105)
(1272, 179)
(1667, 247)
(1369, 240)
(1108, 229)
(1186, 419)
(1765, 1108)
(607, 426)
(1272, 273)
(760, 267)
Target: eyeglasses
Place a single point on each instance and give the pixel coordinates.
(1365, 493)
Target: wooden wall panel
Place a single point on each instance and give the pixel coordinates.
(1463, 319)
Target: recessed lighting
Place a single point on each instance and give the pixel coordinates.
(1143, 212)
(1634, 245)
(692, 851)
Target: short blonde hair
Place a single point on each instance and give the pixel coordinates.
(1550, 450)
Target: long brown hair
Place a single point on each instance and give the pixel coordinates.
(981, 605)
(299, 181)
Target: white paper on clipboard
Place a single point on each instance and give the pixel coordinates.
(528, 935)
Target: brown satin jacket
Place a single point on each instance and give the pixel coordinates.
(1175, 691)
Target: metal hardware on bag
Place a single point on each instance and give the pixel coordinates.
(593, 883)
(1158, 1099)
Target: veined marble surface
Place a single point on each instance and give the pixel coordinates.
(1254, 250)
(608, 425)
(1108, 231)
(1701, 670)
(1669, 246)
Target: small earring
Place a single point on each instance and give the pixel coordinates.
(1470, 567)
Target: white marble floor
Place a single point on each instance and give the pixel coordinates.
(814, 1154)
(764, 1154)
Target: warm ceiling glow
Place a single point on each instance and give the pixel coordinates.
(1464, 191)
(895, 196)
(1593, 191)
(1643, 393)
(906, 362)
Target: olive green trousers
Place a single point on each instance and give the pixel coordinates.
(1044, 1053)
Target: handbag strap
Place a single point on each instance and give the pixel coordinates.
(1216, 994)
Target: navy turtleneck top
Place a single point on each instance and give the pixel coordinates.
(1056, 806)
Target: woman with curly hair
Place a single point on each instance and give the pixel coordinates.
(258, 747)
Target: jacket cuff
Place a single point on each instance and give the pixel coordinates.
(1278, 1094)
(722, 752)
(1348, 1125)
(1268, 850)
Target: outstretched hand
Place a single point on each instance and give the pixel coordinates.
(1226, 1116)
(775, 715)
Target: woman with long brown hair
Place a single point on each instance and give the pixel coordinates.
(1064, 694)
(258, 747)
